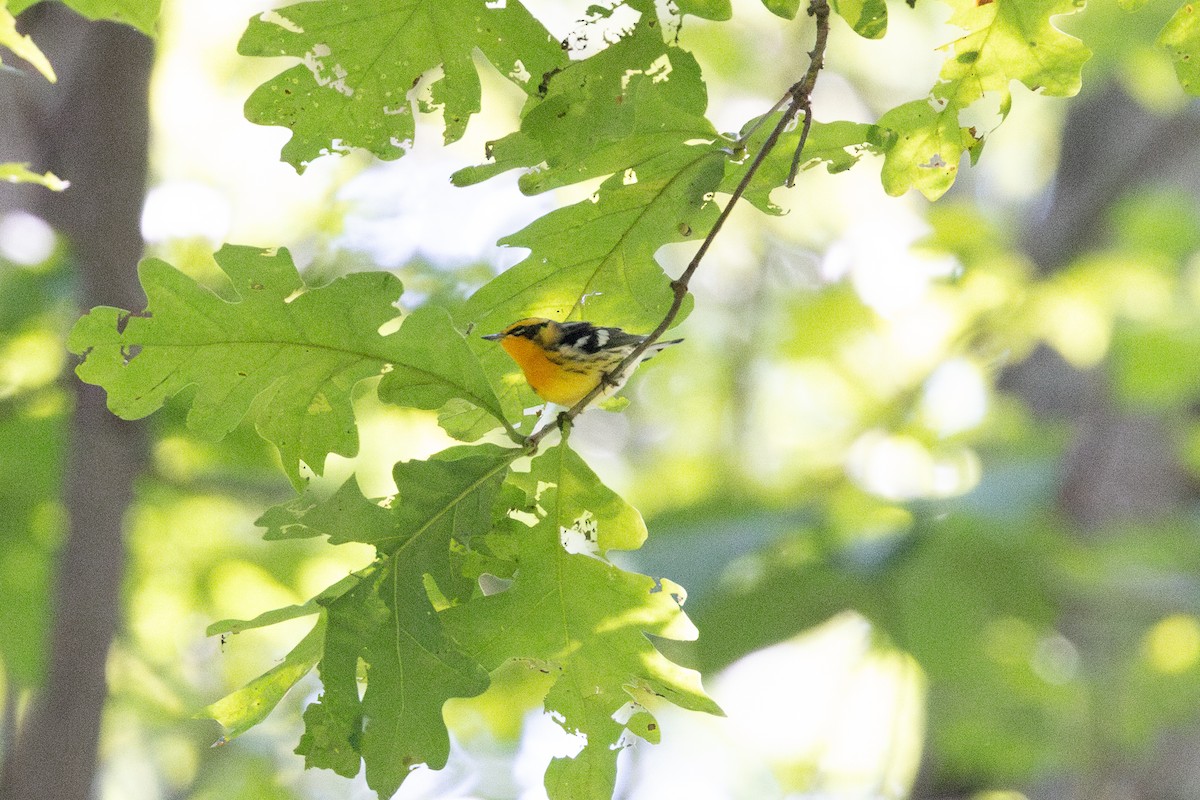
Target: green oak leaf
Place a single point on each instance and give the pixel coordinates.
(868, 18)
(342, 516)
(275, 616)
(585, 620)
(413, 667)
(836, 145)
(330, 736)
(388, 621)
(581, 495)
(467, 423)
(361, 58)
(12, 172)
(290, 361)
(1181, 37)
(595, 259)
(418, 380)
(443, 499)
(625, 106)
(285, 354)
(1004, 41)
(1007, 41)
(333, 724)
(243, 709)
(717, 10)
(140, 14)
(783, 8)
(926, 149)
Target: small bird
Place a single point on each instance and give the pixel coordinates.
(563, 361)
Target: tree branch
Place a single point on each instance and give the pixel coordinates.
(798, 100)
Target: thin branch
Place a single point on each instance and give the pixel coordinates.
(798, 99)
(791, 180)
(758, 123)
(803, 95)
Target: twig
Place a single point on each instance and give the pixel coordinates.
(802, 96)
(791, 180)
(758, 123)
(798, 97)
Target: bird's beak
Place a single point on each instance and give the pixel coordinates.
(493, 336)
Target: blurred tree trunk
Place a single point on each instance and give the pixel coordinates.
(91, 129)
(1122, 465)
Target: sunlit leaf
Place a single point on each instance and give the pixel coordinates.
(582, 496)
(783, 8)
(361, 59)
(24, 47)
(1004, 42)
(837, 146)
(1181, 36)
(20, 173)
(140, 14)
(342, 516)
(285, 354)
(707, 9)
(432, 365)
(927, 148)
(412, 669)
(388, 621)
(275, 616)
(242, 710)
(587, 621)
(617, 111)
(868, 18)
(1008, 41)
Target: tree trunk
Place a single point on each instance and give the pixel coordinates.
(91, 129)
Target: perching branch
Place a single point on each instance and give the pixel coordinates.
(798, 100)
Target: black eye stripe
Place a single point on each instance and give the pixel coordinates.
(527, 331)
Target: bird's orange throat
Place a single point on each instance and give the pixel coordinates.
(547, 378)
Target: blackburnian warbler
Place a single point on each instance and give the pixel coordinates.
(563, 361)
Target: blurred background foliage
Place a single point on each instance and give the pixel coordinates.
(929, 472)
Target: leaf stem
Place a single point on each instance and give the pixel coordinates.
(798, 100)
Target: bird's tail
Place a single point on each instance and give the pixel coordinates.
(658, 347)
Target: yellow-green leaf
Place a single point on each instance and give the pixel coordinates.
(242, 710)
(868, 18)
(927, 147)
(1007, 41)
(140, 14)
(361, 58)
(20, 173)
(23, 46)
(1181, 36)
